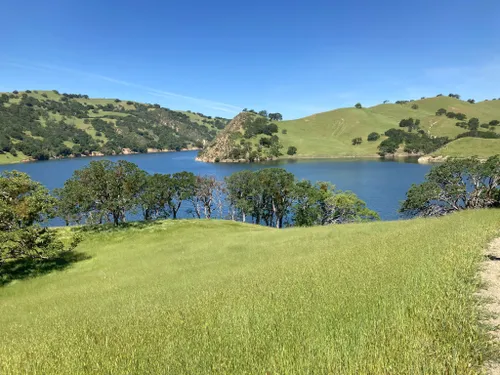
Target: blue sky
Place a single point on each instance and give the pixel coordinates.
(216, 57)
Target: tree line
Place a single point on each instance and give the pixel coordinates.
(43, 128)
(105, 192)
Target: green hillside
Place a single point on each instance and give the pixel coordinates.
(47, 124)
(464, 147)
(199, 297)
(331, 134)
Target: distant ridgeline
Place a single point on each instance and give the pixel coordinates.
(406, 127)
(45, 124)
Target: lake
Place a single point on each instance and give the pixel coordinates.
(382, 184)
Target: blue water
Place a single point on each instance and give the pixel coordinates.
(381, 184)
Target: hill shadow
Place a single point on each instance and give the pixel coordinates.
(108, 227)
(27, 268)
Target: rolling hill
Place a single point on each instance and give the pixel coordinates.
(208, 296)
(330, 134)
(46, 124)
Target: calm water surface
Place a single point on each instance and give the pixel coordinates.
(381, 184)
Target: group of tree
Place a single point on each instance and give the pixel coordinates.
(276, 116)
(268, 142)
(44, 128)
(105, 191)
(414, 143)
(410, 124)
(25, 205)
(455, 185)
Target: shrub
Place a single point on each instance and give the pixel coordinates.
(357, 141)
(414, 106)
(292, 150)
(358, 105)
(373, 136)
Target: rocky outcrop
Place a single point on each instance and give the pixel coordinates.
(220, 148)
(427, 159)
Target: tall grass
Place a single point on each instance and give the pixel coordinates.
(195, 297)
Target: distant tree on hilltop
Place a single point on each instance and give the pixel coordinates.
(358, 106)
(275, 116)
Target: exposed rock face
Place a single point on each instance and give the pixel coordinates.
(431, 159)
(220, 148)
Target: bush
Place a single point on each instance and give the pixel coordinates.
(357, 141)
(284, 131)
(414, 106)
(441, 111)
(373, 136)
(358, 105)
(292, 150)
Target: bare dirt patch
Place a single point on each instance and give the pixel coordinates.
(490, 275)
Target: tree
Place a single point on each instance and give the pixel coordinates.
(473, 124)
(240, 191)
(455, 185)
(471, 101)
(357, 141)
(373, 136)
(414, 106)
(440, 112)
(277, 188)
(358, 106)
(494, 122)
(105, 190)
(24, 205)
(386, 101)
(345, 207)
(456, 96)
(275, 117)
(263, 113)
(292, 150)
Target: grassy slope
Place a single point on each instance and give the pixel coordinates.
(221, 297)
(8, 158)
(465, 147)
(329, 134)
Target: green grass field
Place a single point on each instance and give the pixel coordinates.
(329, 134)
(8, 158)
(199, 297)
(465, 147)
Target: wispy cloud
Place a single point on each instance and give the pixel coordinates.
(229, 108)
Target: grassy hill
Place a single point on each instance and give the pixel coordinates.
(464, 147)
(47, 124)
(199, 297)
(330, 134)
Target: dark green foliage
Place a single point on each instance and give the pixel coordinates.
(139, 130)
(284, 131)
(259, 125)
(410, 123)
(292, 150)
(494, 122)
(418, 142)
(455, 185)
(357, 141)
(441, 111)
(24, 205)
(414, 106)
(358, 106)
(456, 96)
(373, 136)
(471, 101)
(103, 191)
(275, 117)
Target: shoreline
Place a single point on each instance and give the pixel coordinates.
(338, 157)
(100, 154)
